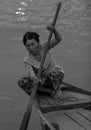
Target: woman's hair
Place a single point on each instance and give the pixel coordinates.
(30, 35)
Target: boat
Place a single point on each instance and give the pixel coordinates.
(70, 111)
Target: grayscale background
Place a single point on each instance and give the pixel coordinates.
(73, 53)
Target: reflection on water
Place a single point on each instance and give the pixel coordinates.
(37, 11)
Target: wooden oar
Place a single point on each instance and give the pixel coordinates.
(27, 114)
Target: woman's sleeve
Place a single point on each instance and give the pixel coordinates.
(29, 69)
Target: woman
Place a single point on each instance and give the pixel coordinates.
(52, 74)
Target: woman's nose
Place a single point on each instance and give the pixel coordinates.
(30, 47)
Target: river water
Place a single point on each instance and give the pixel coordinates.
(73, 53)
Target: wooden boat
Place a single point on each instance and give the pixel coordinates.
(71, 111)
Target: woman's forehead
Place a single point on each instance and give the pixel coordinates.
(31, 41)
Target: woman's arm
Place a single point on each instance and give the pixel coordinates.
(30, 71)
(57, 38)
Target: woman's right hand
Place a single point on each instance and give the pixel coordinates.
(36, 81)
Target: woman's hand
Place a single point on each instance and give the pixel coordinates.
(41, 81)
(37, 80)
(50, 27)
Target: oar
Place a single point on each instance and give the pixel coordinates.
(27, 114)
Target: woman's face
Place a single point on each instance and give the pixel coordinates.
(31, 45)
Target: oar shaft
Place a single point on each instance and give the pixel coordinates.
(45, 53)
(27, 114)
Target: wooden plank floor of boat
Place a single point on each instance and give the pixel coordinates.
(72, 119)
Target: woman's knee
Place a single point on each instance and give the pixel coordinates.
(20, 82)
(57, 74)
(24, 81)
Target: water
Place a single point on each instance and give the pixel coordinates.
(73, 53)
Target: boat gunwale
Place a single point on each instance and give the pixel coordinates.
(73, 88)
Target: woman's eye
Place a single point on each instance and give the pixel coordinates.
(28, 45)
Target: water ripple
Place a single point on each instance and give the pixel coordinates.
(39, 11)
(9, 104)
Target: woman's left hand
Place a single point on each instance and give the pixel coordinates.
(50, 27)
